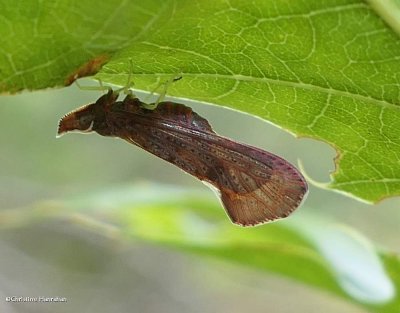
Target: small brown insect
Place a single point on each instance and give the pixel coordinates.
(255, 186)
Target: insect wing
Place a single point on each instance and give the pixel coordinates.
(255, 186)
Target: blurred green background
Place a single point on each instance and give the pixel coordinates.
(98, 273)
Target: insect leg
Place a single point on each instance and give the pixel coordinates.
(97, 88)
(166, 85)
(162, 94)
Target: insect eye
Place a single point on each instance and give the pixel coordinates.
(86, 122)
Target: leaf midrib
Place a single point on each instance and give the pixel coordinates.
(331, 91)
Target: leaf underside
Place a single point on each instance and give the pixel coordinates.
(328, 70)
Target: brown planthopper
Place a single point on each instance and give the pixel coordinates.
(255, 186)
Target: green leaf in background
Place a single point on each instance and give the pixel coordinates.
(326, 255)
(318, 253)
(327, 70)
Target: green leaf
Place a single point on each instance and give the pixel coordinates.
(44, 42)
(314, 252)
(389, 10)
(328, 70)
